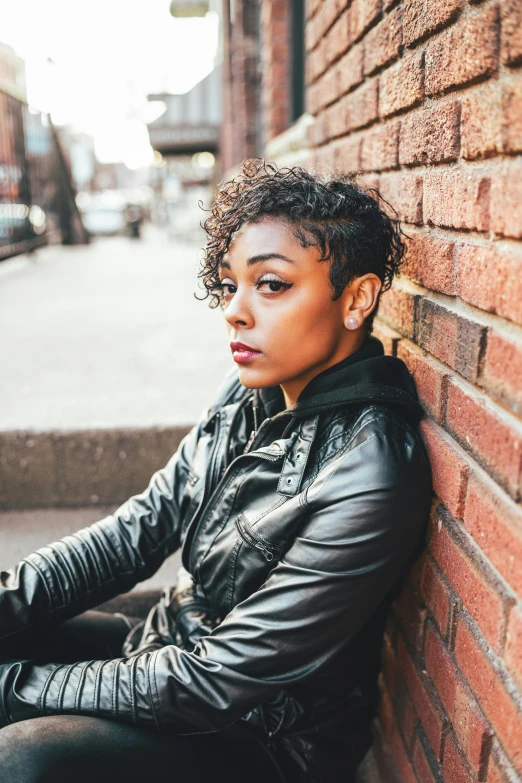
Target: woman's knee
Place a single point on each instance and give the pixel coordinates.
(23, 755)
(38, 750)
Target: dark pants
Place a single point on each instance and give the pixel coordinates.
(72, 749)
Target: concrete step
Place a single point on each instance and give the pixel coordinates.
(23, 531)
(56, 469)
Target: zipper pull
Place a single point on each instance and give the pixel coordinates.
(269, 556)
(254, 431)
(249, 443)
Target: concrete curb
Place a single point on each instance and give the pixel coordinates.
(81, 467)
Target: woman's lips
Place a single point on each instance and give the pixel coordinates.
(245, 356)
(243, 353)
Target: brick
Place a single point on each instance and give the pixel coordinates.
(449, 469)
(348, 154)
(454, 767)
(329, 86)
(350, 69)
(457, 198)
(407, 719)
(412, 615)
(334, 121)
(430, 379)
(485, 679)
(492, 436)
(498, 284)
(490, 278)
(318, 59)
(361, 106)
(465, 52)
(368, 182)
(338, 39)
(430, 261)
(481, 599)
(421, 695)
(502, 370)
(511, 36)
(388, 337)
(380, 148)
(318, 131)
(512, 111)
(403, 190)
(310, 8)
(513, 653)
(471, 728)
(386, 715)
(506, 200)
(495, 523)
(481, 122)
(324, 159)
(382, 43)
(424, 17)
(362, 14)
(451, 338)
(313, 99)
(401, 761)
(431, 135)
(397, 308)
(499, 769)
(402, 85)
(389, 666)
(324, 18)
(437, 596)
(421, 765)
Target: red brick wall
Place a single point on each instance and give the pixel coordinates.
(424, 97)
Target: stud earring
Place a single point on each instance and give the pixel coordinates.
(352, 323)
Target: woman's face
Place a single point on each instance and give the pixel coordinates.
(277, 300)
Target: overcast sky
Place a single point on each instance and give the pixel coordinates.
(107, 55)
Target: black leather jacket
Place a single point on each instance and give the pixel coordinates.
(295, 549)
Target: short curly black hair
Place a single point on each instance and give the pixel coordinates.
(349, 224)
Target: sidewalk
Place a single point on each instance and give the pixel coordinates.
(107, 335)
(106, 358)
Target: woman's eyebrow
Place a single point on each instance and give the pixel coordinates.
(261, 257)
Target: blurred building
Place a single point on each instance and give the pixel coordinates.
(263, 82)
(12, 72)
(191, 122)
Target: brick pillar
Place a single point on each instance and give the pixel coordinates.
(240, 130)
(275, 60)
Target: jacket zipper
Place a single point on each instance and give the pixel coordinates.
(217, 489)
(269, 552)
(254, 431)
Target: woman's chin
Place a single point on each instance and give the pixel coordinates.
(255, 379)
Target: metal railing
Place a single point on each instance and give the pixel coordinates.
(37, 198)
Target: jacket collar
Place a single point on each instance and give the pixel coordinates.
(366, 375)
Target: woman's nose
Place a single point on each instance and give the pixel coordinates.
(237, 309)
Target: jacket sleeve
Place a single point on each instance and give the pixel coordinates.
(365, 517)
(108, 557)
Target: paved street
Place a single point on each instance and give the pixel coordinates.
(107, 335)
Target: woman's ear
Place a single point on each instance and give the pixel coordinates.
(361, 298)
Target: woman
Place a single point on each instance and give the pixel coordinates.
(299, 500)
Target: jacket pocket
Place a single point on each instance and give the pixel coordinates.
(250, 537)
(246, 568)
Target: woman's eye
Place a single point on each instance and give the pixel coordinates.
(274, 285)
(224, 288)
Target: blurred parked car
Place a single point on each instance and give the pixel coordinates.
(100, 219)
